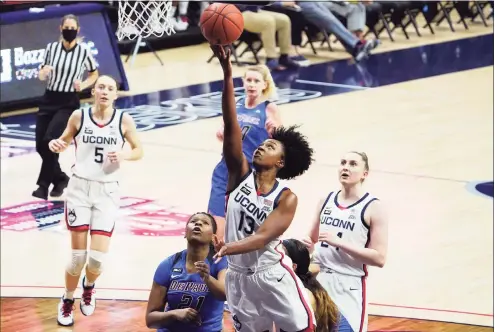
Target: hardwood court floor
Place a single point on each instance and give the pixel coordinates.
(422, 149)
(426, 139)
(36, 315)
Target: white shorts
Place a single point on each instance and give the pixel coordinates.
(92, 205)
(275, 295)
(349, 295)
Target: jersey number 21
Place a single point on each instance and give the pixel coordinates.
(186, 301)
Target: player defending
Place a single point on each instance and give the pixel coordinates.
(188, 289)
(353, 232)
(259, 211)
(92, 203)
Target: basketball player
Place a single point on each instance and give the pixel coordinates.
(92, 202)
(261, 286)
(257, 118)
(326, 312)
(188, 289)
(353, 232)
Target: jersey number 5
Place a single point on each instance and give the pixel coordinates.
(186, 301)
(99, 155)
(249, 227)
(325, 245)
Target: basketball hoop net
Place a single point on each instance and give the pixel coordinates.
(144, 18)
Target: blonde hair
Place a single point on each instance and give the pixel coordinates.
(71, 17)
(270, 90)
(364, 157)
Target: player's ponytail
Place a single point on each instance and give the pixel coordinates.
(326, 312)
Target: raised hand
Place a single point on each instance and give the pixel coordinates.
(203, 270)
(223, 55)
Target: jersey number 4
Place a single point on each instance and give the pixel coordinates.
(99, 155)
(246, 224)
(325, 245)
(186, 301)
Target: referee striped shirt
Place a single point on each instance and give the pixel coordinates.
(68, 65)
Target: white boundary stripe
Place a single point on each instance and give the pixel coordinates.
(355, 87)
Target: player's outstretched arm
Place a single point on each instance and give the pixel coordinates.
(58, 145)
(131, 136)
(235, 160)
(375, 253)
(273, 227)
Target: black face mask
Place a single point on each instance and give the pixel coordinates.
(69, 34)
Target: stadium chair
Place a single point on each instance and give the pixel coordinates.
(249, 39)
(478, 8)
(312, 31)
(376, 21)
(395, 13)
(446, 7)
(413, 10)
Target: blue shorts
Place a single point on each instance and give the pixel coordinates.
(219, 179)
(344, 325)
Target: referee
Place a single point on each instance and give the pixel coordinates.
(63, 68)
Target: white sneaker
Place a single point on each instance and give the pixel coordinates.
(65, 315)
(88, 300)
(179, 25)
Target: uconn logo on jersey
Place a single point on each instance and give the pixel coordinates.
(243, 197)
(327, 219)
(188, 286)
(89, 137)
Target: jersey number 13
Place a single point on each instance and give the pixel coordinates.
(246, 224)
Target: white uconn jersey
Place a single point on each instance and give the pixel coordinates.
(245, 213)
(93, 142)
(348, 224)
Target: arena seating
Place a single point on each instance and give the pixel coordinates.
(383, 18)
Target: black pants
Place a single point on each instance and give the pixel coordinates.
(51, 120)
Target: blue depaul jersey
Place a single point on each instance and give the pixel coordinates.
(186, 290)
(252, 122)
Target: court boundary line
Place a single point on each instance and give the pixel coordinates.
(147, 290)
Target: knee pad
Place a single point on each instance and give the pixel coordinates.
(77, 262)
(95, 261)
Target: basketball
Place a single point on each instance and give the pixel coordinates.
(221, 24)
